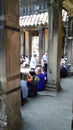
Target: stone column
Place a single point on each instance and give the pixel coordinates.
(30, 44)
(69, 51)
(9, 63)
(21, 43)
(27, 43)
(41, 43)
(55, 43)
(72, 54)
(46, 40)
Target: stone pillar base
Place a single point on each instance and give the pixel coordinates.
(54, 87)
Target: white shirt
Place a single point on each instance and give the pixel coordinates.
(33, 62)
(45, 58)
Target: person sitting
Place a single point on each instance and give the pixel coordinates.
(24, 90)
(32, 84)
(44, 61)
(41, 82)
(63, 70)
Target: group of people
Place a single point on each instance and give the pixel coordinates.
(35, 82)
(24, 61)
(34, 61)
(36, 78)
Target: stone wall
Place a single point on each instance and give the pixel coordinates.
(25, 2)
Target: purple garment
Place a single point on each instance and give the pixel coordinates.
(41, 83)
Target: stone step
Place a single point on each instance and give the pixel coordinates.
(50, 87)
(47, 93)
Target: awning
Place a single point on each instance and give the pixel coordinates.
(34, 20)
(42, 19)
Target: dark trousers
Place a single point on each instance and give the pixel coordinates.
(32, 89)
(45, 67)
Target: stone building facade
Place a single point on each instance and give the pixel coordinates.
(34, 27)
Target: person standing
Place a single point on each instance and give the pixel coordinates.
(33, 62)
(22, 59)
(45, 61)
